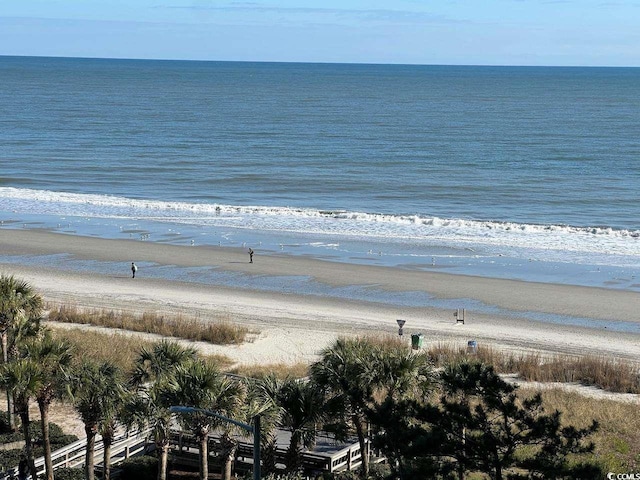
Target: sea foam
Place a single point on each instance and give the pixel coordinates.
(411, 228)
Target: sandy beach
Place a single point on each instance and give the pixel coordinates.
(296, 327)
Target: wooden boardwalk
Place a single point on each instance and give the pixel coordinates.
(123, 447)
(328, 455)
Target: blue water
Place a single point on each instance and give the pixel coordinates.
(513, 172)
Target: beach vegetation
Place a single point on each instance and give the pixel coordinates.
(607, 373)
(217, 333)
(282, 371)
(21, 310)
(139, 468)
(20, 378)
(96, 390)
(361, 379)
(302, 407)
(53, 358)
(255, 405)
(11, 457)
(99, 345)
(481, 425)
(617, 441)
(344, 372)
(200, 385)
(154, 369)
(68, 473)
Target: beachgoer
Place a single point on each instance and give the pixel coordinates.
(134, 269)
(250, 256)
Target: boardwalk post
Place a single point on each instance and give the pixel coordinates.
(256, 447)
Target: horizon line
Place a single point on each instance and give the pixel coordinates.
(292, 62)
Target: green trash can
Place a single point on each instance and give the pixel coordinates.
(416, 341)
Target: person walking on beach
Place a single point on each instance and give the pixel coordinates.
(134, 269)
(250, 256)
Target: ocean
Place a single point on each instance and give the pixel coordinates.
(528, 173)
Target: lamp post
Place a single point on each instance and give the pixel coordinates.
(255, 429)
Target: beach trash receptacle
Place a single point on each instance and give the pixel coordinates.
(416, 341)
(472, 346)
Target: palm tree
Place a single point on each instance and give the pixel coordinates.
(398, 375)
(200, 385)
(95, 389)
(52, 357)
(160, 361)
(245, 401)
(344, 370)
(18, 302)
(232, 399)
(150, 407)
(21, 380)
(303, 408)
(108, 426)
(262, 393)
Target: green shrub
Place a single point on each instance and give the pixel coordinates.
(58, 438)
(10, 437)
(63, 441)
(4, 425)
(379, 470)
(286, 476)
(69, 474)
(139, 468)
(9, 459)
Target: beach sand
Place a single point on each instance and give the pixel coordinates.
(293, 327)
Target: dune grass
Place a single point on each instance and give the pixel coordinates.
(617, 442)
(280, 370)
(118, 348)
(218, 333)
(603, 372)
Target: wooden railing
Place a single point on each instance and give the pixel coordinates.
(125, 446)
(347, 458)
(73, 455)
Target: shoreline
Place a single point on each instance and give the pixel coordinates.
(296, 326)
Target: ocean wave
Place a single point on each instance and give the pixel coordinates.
(106, 205)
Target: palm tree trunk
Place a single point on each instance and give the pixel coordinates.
(5, 359)
(90, 430)
(228, 463)
(293, 453)
(163, 448)
(269, 456)
(28, 447)
(204, 456)
(364, 453)
(106, 458)
(44, 418)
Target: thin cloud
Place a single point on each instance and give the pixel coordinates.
(385, 15)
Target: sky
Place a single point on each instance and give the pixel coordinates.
(443, 32)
